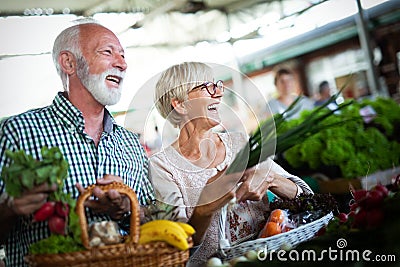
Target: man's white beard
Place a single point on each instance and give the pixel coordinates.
(95, 84)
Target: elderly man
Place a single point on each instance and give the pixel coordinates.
(91, 63)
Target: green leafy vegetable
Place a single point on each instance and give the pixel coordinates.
(355, 147)
(55, 244)
(25, 172)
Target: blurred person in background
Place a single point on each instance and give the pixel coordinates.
(91, 63)
(287, 93)
(190, 173)
(324, 91)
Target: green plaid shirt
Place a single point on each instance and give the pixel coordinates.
(61, 124)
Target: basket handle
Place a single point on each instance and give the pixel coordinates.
(121, 188)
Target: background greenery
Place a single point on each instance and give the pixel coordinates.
(352, 149)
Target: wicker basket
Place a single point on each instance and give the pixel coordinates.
(273, 243)
(122, 255)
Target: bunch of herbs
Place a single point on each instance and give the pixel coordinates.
(270, 139)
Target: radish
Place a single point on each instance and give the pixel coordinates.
(359, 195)
(360, 219)
(57, 225)
(342, 217)
(383, 189)
(374, 199)
(62, 209)
(45, 211)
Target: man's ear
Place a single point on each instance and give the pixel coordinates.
(67, 62)
(178, 106)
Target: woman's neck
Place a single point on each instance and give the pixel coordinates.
(202, 148)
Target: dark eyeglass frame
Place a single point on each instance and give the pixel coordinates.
(211, 86)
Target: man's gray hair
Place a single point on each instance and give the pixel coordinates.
(68, 40)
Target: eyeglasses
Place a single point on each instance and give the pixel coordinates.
(211, 87)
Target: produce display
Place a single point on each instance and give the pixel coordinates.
(371, 225)
(360, 146)
(367, 209)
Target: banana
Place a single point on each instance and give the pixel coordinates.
(164, 230)
(157, 223)
(189, 230)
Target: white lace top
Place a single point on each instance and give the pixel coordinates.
(178, 182)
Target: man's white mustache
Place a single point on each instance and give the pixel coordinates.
(114, 72)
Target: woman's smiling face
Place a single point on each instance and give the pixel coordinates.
(204, 107)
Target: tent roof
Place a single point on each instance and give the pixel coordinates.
(91, 7)
(171, 22)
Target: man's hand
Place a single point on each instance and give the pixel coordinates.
(26, 204)
(112, 202)
(31, 200)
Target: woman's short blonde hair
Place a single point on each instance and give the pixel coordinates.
(175, 83)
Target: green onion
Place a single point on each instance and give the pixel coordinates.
(269, 139)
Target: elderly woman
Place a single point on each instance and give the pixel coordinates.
(189, 173)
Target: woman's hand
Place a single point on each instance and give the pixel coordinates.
(112, 202)
(255, 183)
(260, 178)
